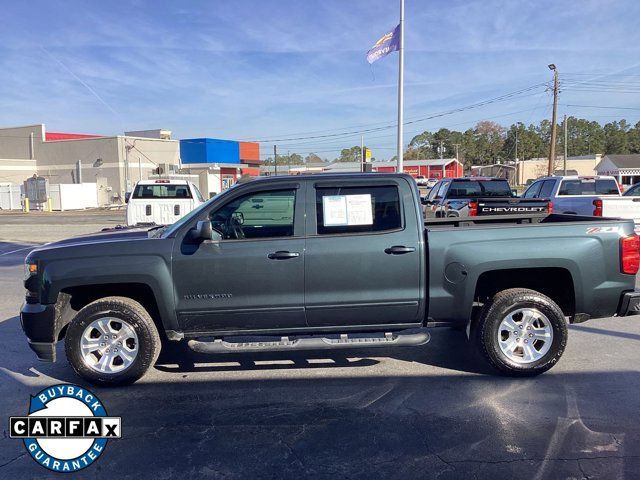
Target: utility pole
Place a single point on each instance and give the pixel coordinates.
(552, 146)
(275, 161)
(127, 147)
(441, 149)
(457, 145)
(565, 144)
(517, 174)
(362, 153)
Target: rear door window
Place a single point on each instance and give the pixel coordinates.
(357, 209)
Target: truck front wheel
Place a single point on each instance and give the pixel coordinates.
(522, 332)
(112, 341)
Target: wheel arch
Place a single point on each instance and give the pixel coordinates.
(557, 283)
(73, 298)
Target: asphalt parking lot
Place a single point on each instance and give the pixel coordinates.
(431, 411)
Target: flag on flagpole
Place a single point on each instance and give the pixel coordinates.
(389, 42)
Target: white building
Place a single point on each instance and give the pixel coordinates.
(626, 168)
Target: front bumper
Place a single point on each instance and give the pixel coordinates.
(39, 325)
(629, 304)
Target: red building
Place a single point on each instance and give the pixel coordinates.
(440, 168)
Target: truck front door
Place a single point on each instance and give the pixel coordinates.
(363, 253)
(253, 278)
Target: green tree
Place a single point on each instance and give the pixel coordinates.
(353, 154)
(615, 137)
(313, 158)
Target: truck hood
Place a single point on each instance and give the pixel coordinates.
(115, 234)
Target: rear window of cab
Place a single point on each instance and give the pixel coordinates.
(588, 186)
(162, 191)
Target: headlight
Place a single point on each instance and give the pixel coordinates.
(30, 269)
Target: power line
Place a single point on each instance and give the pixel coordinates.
(430, 117)
(599, 106)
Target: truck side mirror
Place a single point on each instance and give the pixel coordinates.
(127, 196)
(203, 231)
(425, 201)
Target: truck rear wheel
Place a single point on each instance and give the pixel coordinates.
(522, 332)
(112, 341)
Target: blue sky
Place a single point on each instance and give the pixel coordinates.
(270, 69)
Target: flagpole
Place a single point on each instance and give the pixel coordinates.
(400, 167)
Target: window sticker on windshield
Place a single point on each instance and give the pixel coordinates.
(347, 210)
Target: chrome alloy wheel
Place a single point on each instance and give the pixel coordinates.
(109, 345)
(525, 335)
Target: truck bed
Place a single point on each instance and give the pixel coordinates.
(457, 258)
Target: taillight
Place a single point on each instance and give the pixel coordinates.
(473, 209)
(597, 207)
(630, 254)
(550, 208)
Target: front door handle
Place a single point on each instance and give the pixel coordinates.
(282, 255)
(399, 250)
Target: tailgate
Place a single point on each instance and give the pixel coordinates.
(622, 207)
(511, 206)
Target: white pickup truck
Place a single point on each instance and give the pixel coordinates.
(162, 201)
(598, 196)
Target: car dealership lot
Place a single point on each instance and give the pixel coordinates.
(42, 227)
(431, 410)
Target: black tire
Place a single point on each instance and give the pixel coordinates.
(137, 317)
(498, 308)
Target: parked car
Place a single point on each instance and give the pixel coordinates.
(162, 201)
(422, 180)
(431, 182)
(585, 195)
(478, 196)
(325, 263)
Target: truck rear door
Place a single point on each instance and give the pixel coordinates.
(362, 259)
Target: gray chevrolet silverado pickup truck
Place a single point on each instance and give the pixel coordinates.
(325, 262)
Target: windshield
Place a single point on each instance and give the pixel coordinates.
(479, 188)
(198, 194)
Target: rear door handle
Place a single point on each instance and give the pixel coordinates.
(282, 255)
(399, 250)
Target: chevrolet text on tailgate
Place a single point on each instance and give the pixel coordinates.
(478, 196)
(322, 263)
